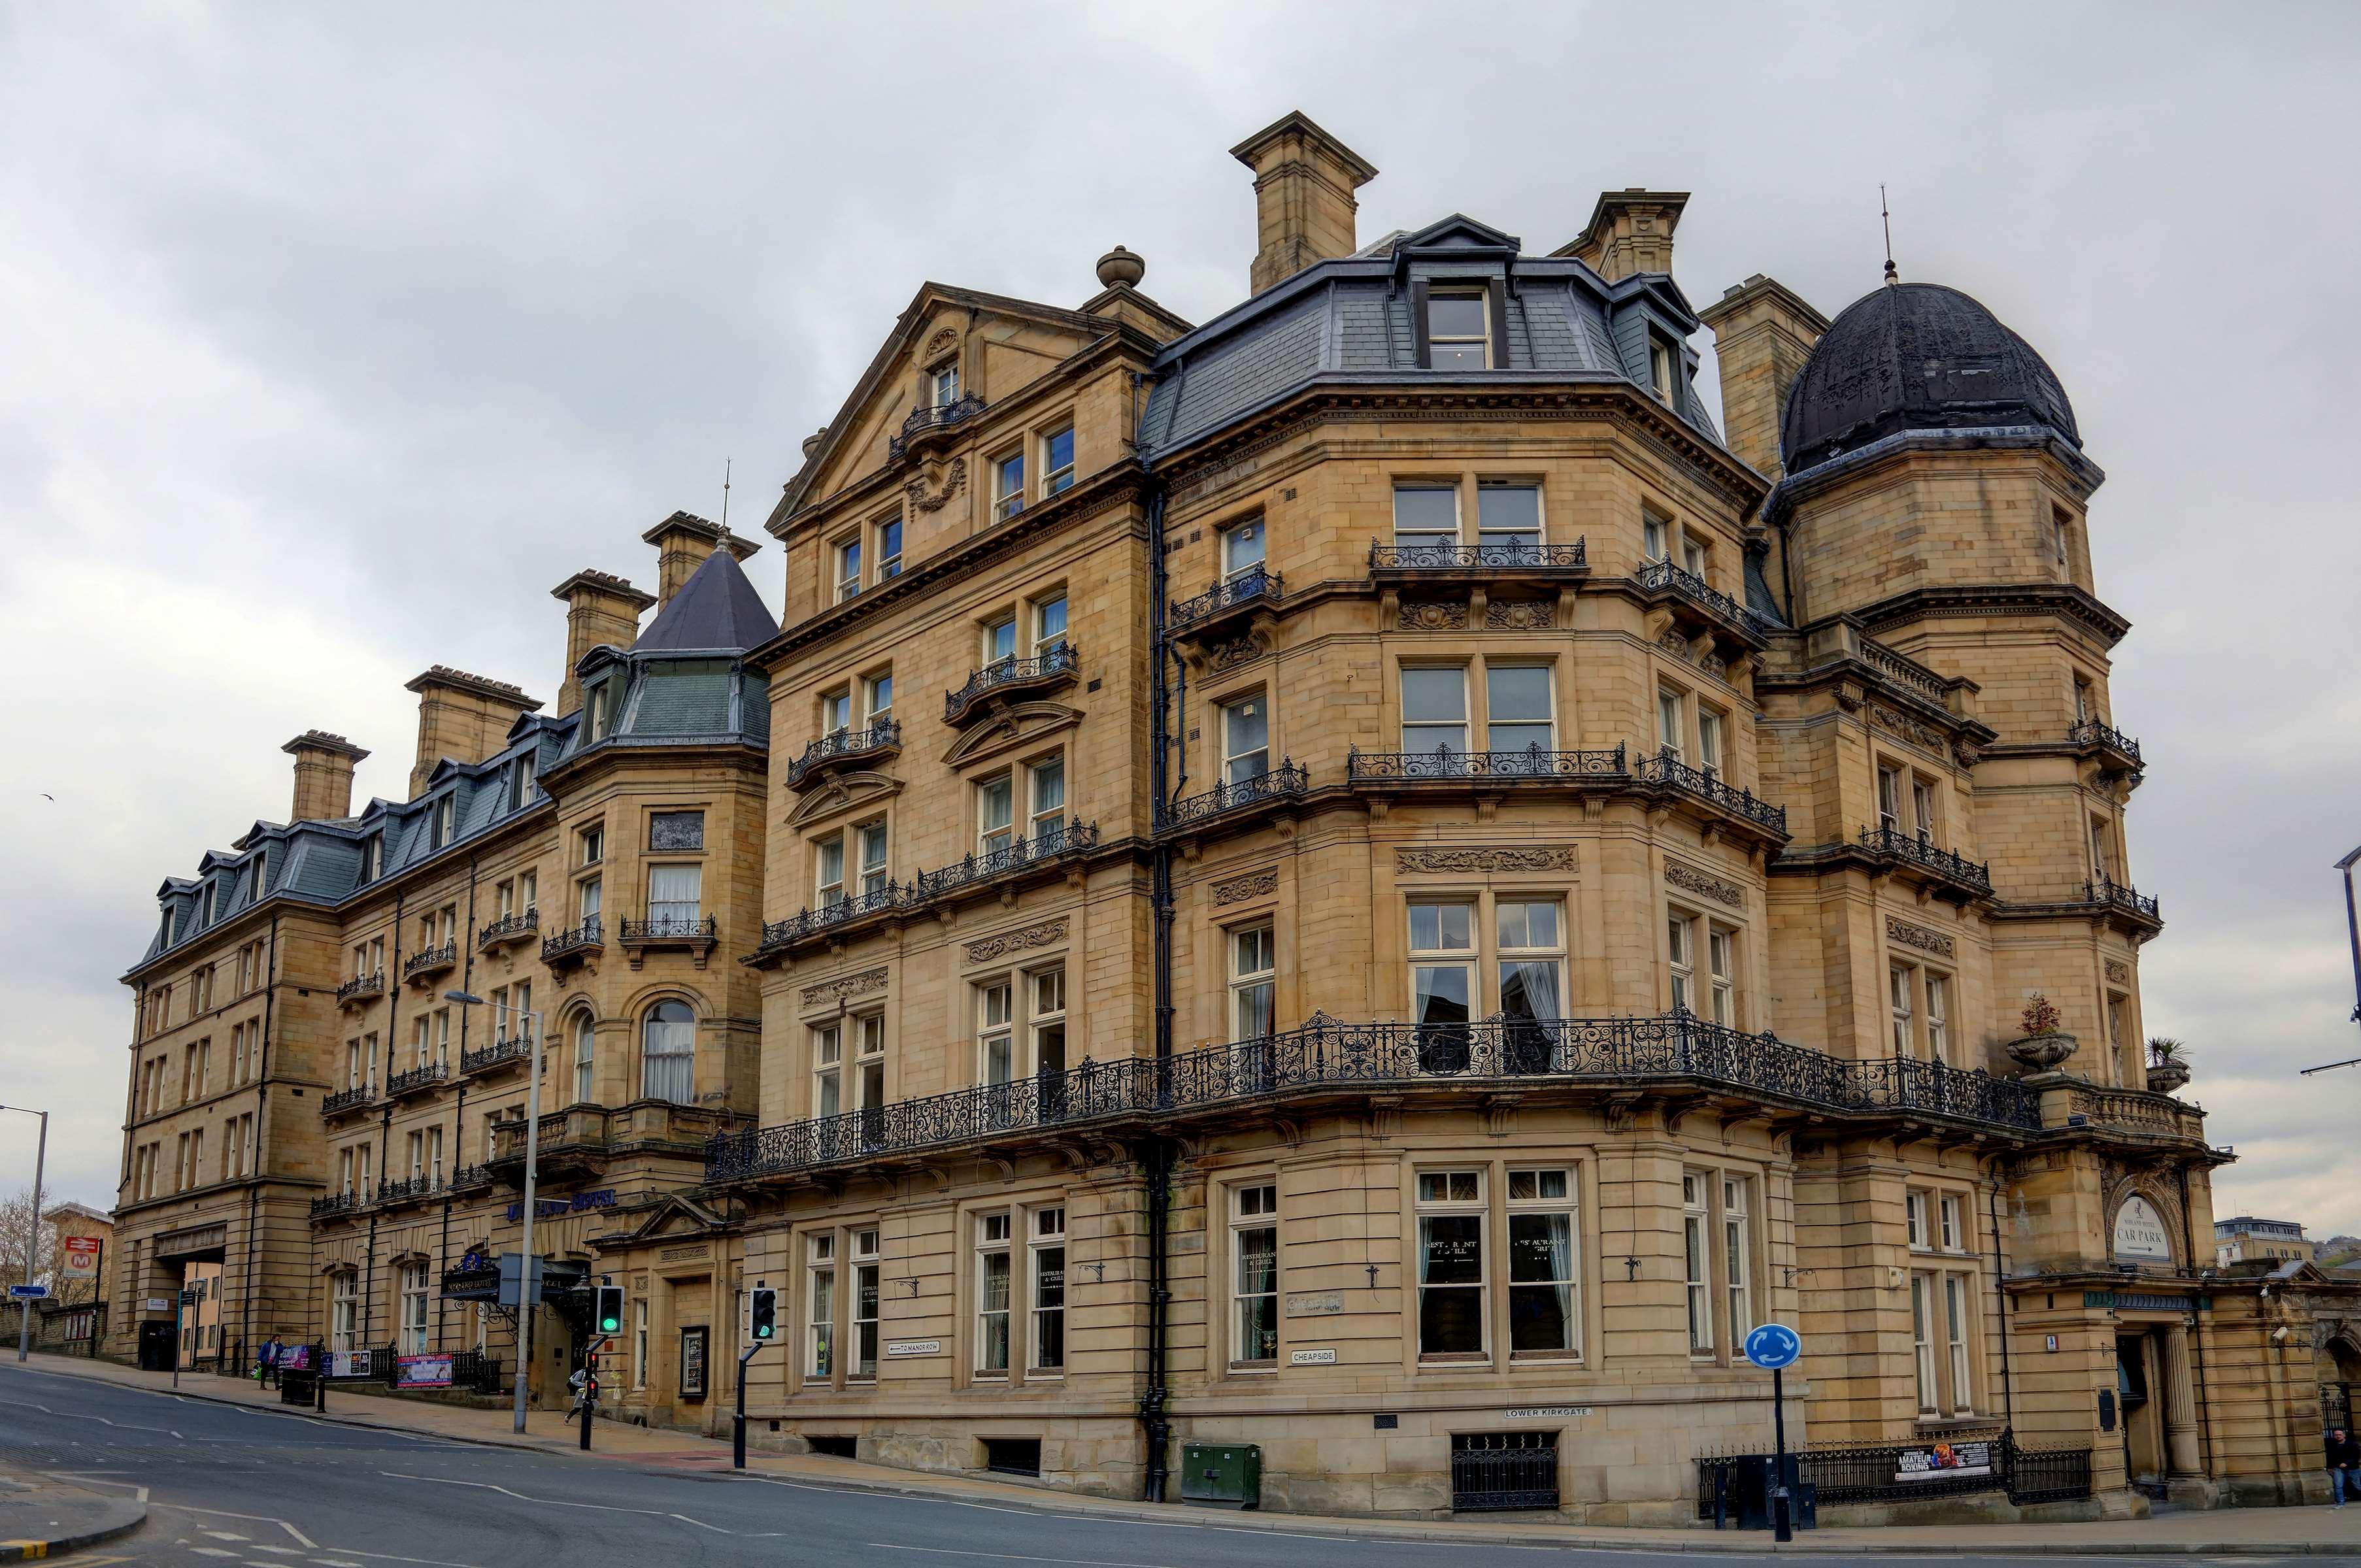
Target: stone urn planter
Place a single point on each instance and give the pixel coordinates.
(2168, 1066)
(2042, 1053)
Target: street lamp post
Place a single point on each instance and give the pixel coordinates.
(2353, 934)
(531, 1170)
(33, 1241)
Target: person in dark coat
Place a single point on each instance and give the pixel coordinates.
(2343, 1465)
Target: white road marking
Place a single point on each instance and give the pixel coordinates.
(568, 1503)
(288, 1550)
(223, 1535)
(212, 1551)
(250, 1518)
(1015, 1557)
(79, 1416)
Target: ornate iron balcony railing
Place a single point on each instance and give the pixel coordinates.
(1248, 587)
(1669, 770)
(361, 987)
(508, 1048)
(471, 1176)
(408, 1191)
(1663, 576)
(334, 1204)
(432, 961)
(1460, 557)
(883, 735)
(1531, 766)
(344, 1099)
(416, 1079)
(1284, 782)
(1885, 841)
(672, 928)
(2091, 732)
(2120, 895)
(582, 938)
(1050, 844)
(510, 929)
(1902, 671)
(928, 417)
(1673, 1050)
(1059, 663)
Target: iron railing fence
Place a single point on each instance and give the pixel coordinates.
(881, 735)
(1497, 1471)
(574, 939)
(1478, 556)
(1677, 1048)
(2120, 895)
(416, 1079)
(344, 1099)
(1663, 576)
(1530, 765)
(508, 1048)
(1051, 843)
(1867, 1473)
(1248, 587)
(362, 986)
(1921, 851)
(431, 959)
(510, 929)
(1051, 664)
(1287, 781)
(2091, 732)
(1669, 770)
(672, 928)
(932, 416)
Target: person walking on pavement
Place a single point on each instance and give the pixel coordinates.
(2343, 1465)
(268, 1372)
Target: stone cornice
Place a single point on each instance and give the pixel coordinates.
(1988, 598)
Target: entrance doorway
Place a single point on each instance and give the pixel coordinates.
(2137, 1366)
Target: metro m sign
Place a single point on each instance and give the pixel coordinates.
(77, 1257)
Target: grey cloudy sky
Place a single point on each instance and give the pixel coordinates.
(331, 336)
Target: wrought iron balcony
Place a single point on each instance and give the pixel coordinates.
(1285, 781)
(1677, 1051)
(506, 1049)
(1053, 667)
(1461, 560)
(679, 930)
(1442, 765)
(843, 746)
(361, 988)
(1917, 850)
(1669, 772)
(417, 1080)
(518, 928)
(430, 962)
(344, 1099)
(1245, 591)
(929, 418)
(1687, 588)
(1048, 846)
(468, 1176)
(335, 1204)
(2090, 732)
(408, 1191)
(2120, 895)
(578, 942)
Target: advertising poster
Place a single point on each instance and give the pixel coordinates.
(423, 1371)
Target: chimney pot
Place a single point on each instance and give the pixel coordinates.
(601, 610)
(461, 716)
(1304, 208)
(323, 775)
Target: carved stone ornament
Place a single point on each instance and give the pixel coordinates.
(935, 484)
(1714, 664)
(1041, 935)
(1673, 642)
(942, 342)
(1932, 942)
(1485, 860)
(2119, 972)
(1238, 889)
(1705, 884)
(1229, 655)
(837, 990)
(1907, 727)
(1967, 756)
(1521, 615)
(2042, 1053)
(1434, 618)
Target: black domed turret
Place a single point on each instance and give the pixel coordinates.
(1916, 357)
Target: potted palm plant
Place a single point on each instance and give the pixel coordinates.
(2167, 1064)
(2043, 1045)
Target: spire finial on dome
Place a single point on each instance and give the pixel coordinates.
(1885, 215)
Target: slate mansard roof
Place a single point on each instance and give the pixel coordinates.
(682, 684)
(1350, 321)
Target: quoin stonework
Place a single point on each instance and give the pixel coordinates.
(1361, 878)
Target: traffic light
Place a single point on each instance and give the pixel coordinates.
(610, 1309)
(762, 1309)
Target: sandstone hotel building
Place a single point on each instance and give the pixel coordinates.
(1361, 877)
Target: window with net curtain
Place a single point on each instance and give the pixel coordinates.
(584, 1054)
(668, 1054)
(675, 894)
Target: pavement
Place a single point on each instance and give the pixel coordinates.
(235, 1454)
(41, 1518)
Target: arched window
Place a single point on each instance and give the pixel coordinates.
(585, 1050)
(668, 1054)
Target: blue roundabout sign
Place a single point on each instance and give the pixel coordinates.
(1773, 1346)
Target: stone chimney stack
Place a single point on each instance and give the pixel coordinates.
(464, 718)
(1304, 181)
(683, 541)
(1763, 332)
(599, 608)
(1631, 231)
(323, 775)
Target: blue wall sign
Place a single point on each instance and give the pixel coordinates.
(1773, 1346)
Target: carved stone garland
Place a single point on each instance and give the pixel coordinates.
(1487, 860)
(1046, 934)
(837, 990)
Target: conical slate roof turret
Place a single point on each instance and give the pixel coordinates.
(716, 608)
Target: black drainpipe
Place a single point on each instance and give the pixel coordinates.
(392, 1030)
(261, 1097)
(2196, 1340)
(2000, 1304)
(1156, 1153)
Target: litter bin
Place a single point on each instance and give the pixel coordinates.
(297, 1388)
(1222, 1475)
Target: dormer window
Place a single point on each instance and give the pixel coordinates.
(944, 380)
(439, 831)
(1663, 376)
(520, 781)
(598, 711)
(1457, 331)
(373, 856)
(212, 900)
(261, 872)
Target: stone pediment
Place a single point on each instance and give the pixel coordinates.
(675, 1217)
(842, 792)
(1007, 725)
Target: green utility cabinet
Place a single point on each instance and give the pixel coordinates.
(1222, 1475)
